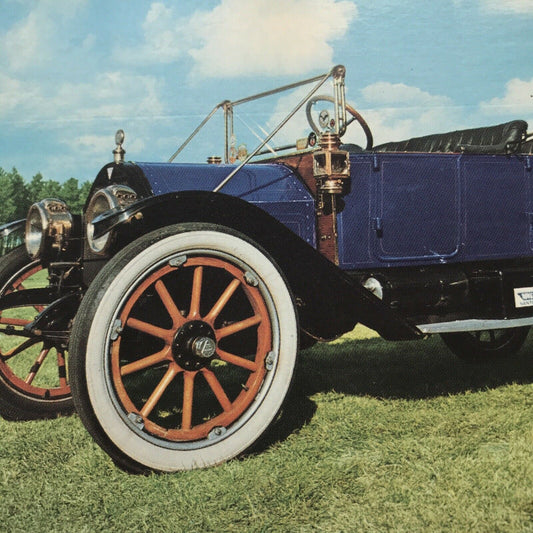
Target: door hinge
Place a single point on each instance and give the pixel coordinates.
(377, 226)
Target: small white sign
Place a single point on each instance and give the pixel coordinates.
(523, 297)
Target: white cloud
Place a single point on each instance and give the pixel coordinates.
(98, 145)
(27, 42)
(517, 100)
(508, 6)
(103, 98)
(14, 95)
(32, 40)
(164, 35)
(395, 111)
(240, 38)
(385, 93)
(167, 37)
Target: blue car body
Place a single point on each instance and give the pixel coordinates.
(403, 209)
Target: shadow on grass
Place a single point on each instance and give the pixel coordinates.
(389, 370)
(406, 370)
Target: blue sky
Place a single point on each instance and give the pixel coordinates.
(73, 71)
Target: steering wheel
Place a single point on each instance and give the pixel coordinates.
(355, 116)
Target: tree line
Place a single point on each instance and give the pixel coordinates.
(17, 195)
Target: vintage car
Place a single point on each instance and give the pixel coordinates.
(183, 292)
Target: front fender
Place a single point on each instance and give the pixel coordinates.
(329, 302)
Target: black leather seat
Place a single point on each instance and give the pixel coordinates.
(500, 139)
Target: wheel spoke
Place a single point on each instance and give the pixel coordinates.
(188, 389)
(37, 365)
(236, 360)
(238, 326)
(145, 362)
(20, 348)
(170, 305)
(62, 369)
(14, 321)
(196, 292)
(145, 327)
(222, 301)
(162, 386)
(217, 389)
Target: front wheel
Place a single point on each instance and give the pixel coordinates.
(33, 375)
(487, 345)
(183, 349)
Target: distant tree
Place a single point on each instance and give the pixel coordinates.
(74, 195)
(51, 189)
(7, 204)
(14, 196)
(35, 187)
(84, 192)
(70, 193)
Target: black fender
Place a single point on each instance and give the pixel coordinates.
(329, 303)
(53, 323)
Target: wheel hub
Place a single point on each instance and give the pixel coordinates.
(194, 345)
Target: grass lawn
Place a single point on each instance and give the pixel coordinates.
(375, 437)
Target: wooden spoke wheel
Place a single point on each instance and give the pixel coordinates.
(185, 357)
(33, 376)
(487, 345)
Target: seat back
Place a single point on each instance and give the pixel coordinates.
(500, 139)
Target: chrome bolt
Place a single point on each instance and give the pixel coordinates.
(204, 347)
(137, 419)
(270, 359)
(251, 279)
(216, 432)
(178, 261)
(116, 330)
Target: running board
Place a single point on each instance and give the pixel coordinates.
(474, 324)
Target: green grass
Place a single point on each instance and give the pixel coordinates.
(375, 437)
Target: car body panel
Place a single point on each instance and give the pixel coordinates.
(420, 209)
(274, 188)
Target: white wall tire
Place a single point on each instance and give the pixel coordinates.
(104, 379)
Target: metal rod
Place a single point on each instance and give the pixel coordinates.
(322, 79)
(279, 89)
(200, 126)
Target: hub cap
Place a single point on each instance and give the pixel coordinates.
(194, 345)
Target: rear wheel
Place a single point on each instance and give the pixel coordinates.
(183, 349)
(33, 377)
(487, 345)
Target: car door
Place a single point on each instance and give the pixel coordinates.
(416, 207)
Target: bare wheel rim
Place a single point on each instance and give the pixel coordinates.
(201, 332)
(32, 366)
